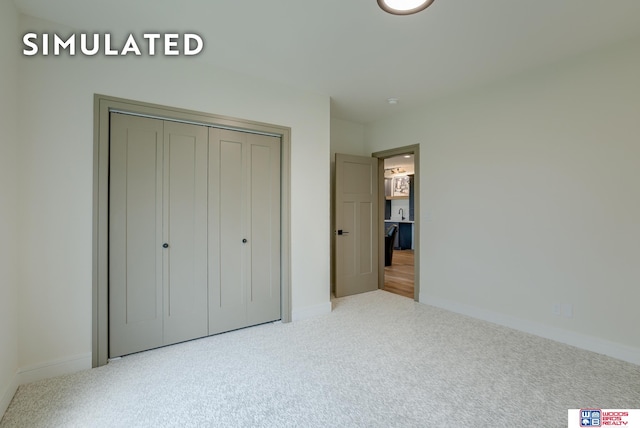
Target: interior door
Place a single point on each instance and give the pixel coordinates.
(263, 248)
(356, 219)
(185, 231)
(158, 252)
(135, 235)
(244, 201)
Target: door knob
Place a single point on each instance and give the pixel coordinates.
(165, 245)
(244, 241)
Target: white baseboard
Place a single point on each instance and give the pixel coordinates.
(311, 311)
(59, 367)
(583, 341)
(7, 395)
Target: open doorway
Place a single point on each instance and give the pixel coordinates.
(399, 214)
(399, 175)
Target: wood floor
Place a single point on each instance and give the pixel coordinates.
(398, 278)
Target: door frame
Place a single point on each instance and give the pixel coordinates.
(382, 155)
(103, 106)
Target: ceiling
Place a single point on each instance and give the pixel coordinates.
(359, 55)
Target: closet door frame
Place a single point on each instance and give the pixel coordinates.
(103, 106)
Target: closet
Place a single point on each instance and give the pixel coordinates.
(194, 231)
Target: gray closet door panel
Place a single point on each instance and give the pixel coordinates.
(135, 259)
(140, 251)
(185, 229)
(264, 208)
(215, 252)
(244, 204)
(227, 203)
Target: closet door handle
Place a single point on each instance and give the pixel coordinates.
(244, 241)
(165, 245)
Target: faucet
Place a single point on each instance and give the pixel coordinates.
(401, 212)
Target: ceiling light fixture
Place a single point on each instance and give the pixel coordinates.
(404, 7)
(396, 170)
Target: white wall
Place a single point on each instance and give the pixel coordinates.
(8, 202)
(347, 137)
(56, 118)
(530, 193)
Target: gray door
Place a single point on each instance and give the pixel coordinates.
(356, 240)
(185, 232)
(194, 232)
(158, 242)
(244, 200)
(136, 320)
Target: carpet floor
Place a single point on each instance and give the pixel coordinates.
(377, 360)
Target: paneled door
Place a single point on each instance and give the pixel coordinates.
(356, 218)
(244, 240)
(136, 320)
(185, 252)
(158, 244)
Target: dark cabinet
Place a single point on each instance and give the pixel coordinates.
(404, 236)
(403, 239)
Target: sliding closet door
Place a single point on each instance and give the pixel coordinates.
(244, 233)
(135, 235)
(185, 232)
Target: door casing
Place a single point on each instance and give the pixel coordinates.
(103, 105)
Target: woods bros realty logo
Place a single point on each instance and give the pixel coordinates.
(604, 418)
(168, 44)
